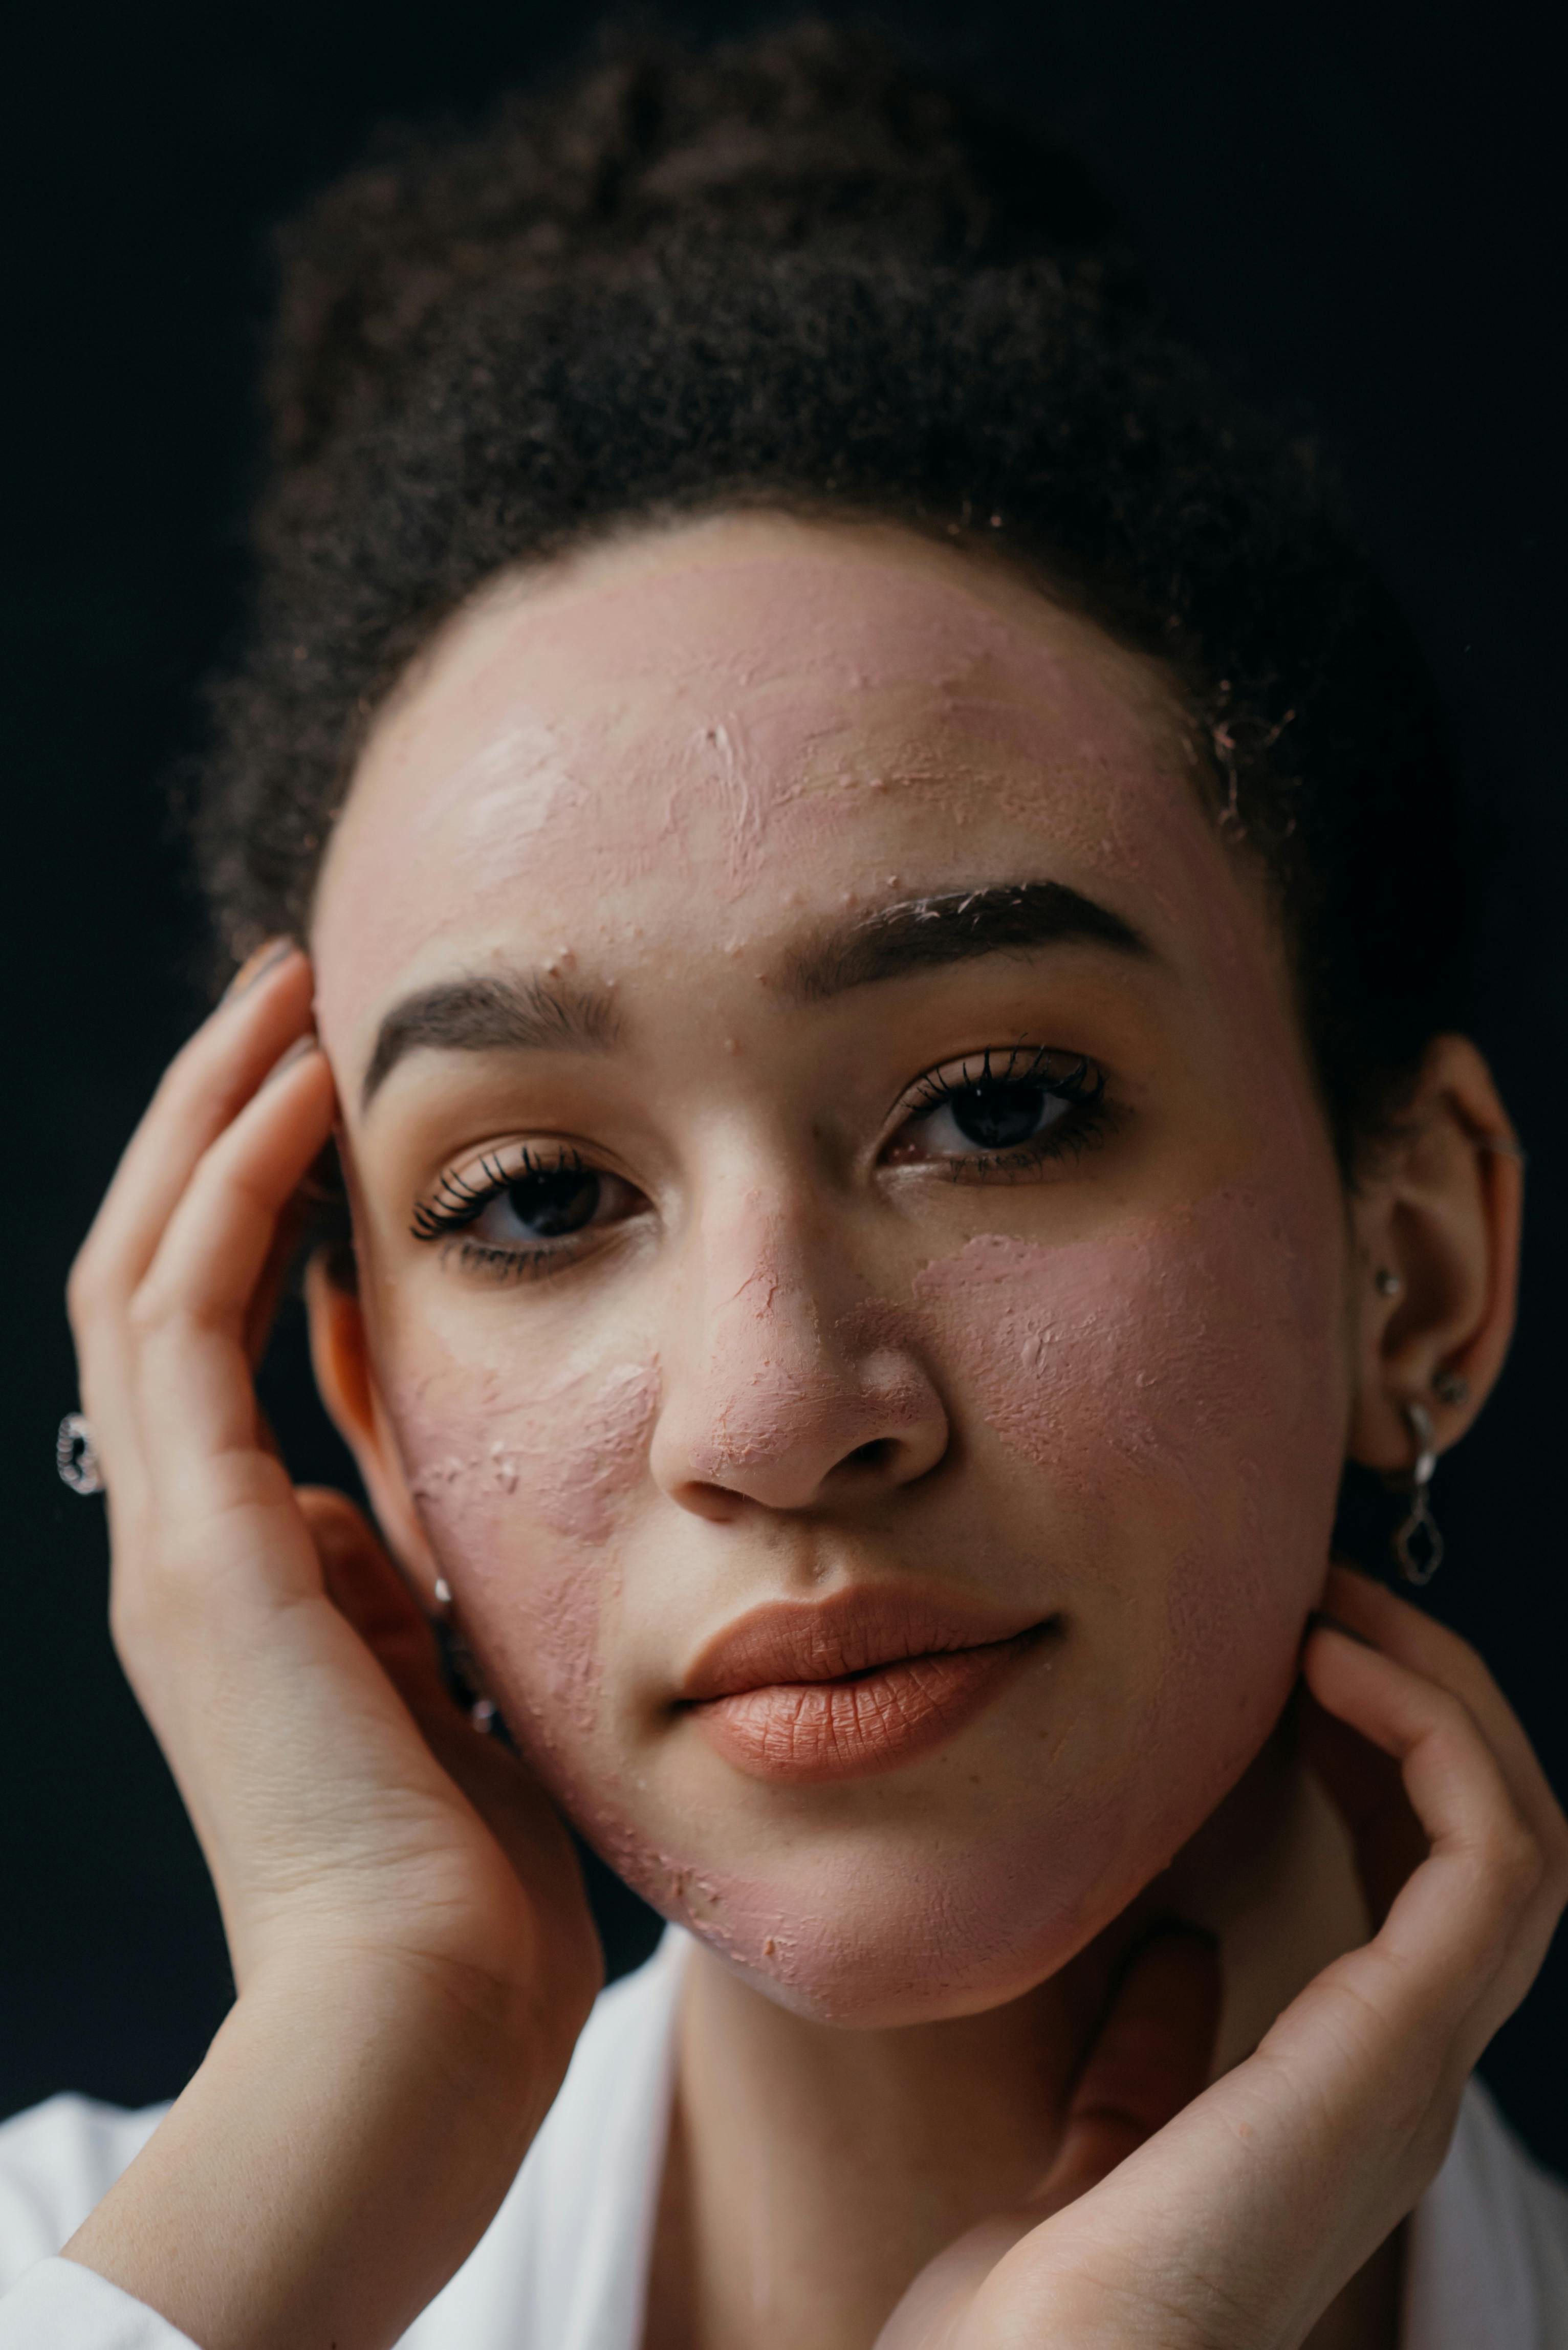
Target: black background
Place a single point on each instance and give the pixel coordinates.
(1352, 208)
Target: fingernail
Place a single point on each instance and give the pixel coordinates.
(300, 1050)
(268, 956)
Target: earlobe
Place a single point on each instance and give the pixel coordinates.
(1437, 1229)
(340, 1357)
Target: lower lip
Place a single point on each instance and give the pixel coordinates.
(810, 1732)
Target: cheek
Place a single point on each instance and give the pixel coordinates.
(520, 1485)
(1177, 1391)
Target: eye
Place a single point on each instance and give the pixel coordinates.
(1002, 1109)
(525, 1211)
(545, 1204)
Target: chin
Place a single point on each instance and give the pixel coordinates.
(870, 1932)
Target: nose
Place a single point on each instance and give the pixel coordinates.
(785, 1389)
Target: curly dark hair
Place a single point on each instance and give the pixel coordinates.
(798, 271)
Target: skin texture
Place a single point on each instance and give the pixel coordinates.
(1110, 1394)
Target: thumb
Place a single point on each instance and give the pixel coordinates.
(1150, 2058)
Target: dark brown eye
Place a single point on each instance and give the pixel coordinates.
(521, 1208)
(1023, 1101)
(554, 1201)
(1001, 1116)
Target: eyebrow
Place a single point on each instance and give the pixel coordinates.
(960, 926)
(537, 1012)
(503, 1013)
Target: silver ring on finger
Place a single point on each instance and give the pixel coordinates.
(75, 1455)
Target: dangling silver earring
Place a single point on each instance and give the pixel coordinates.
(1416, 1544)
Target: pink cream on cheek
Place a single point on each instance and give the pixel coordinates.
(1175, 1384)
(521, 1494)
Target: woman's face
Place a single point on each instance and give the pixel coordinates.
(852, 1266)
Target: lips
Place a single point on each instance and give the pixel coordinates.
(860, 1682)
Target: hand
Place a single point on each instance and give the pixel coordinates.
(1227, 2218)
(381, 1870)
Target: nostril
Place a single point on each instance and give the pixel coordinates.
(877, 1454)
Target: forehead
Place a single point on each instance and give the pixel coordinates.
(716, 725)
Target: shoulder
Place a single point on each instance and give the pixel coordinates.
(1488, 2244)
(56, 2160)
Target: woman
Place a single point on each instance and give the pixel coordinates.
(811, 814)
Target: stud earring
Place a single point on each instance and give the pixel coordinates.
(1386, 1284)
(1416, 1543)
(1450, 1387)
(458, 1665)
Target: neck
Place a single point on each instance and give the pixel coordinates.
(813, 2171)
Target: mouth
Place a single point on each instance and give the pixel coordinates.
(861, 1682)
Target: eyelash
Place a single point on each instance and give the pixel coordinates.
(1083, 1086)
(459, 1200)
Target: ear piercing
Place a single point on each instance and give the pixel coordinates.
(459, 1670)
(1416, 1543)
(1449, 1386)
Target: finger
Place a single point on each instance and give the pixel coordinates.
(1466, 1935)
(364, 1585)
(1149, 2059)
(1366, 1788)
(262, 1311)
(1429, 1648)
(220, 1068)
(1297, 2162)
(188, 1320)
(367, 1588)
(204, 1086)
(322, 1189)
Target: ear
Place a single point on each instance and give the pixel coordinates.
(340, 1354)
(1436, 1225)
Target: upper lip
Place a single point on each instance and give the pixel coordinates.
(852, 1630)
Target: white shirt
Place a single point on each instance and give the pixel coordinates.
(564, 2263)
